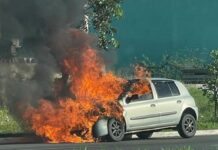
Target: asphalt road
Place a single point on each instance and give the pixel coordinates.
(196, 143)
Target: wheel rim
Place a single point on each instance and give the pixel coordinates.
(189, 125)
(116, 129)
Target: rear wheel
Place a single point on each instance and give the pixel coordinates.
(187, 126)
(116, 130)
(144, 135)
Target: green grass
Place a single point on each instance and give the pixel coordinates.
(206, 110)
(165, 148)
(8, 124)
(179, 148)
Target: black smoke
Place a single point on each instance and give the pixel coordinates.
(44, 27)
(38, 18)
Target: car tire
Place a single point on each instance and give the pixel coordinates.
(187, 126)
(115, 130)
(144, 135)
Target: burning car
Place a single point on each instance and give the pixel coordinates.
(167, 105)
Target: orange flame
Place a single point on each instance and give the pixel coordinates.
(70, 119)
(140, 88)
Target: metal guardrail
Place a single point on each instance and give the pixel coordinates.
(26, 60)
(193, 75)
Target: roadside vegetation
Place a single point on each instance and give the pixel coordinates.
(211, 90)
(179, 148)
(207, 119)
(165, 148)
(8, 124)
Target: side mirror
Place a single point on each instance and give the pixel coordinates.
(128, 100)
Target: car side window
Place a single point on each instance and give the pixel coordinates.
(137, 98)
(166, 89)
(174, 89)
(163, 89)
(147, 96)
(132, 98)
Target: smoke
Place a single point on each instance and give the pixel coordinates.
(41, 18)
(47, 30)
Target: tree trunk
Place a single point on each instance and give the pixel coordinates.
(215, 111)
(216, 99)
(85, 25)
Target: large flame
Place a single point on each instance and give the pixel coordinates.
(92, 93)
(71, 119)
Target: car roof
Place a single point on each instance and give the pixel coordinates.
(165, 79)
(156, 79)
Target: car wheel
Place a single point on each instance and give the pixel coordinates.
(187, 126)
(116, 130)
(144, 135)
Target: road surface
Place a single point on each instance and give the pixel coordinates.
(196, 143)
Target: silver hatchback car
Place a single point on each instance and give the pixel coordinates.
(168, 106)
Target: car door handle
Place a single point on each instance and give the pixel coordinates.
(179, 102)
(153, 105)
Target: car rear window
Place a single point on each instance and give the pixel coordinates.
(166, 89)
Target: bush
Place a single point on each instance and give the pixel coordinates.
(8, 124)
(206, 109)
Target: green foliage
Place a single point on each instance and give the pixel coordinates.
(205, 106)
(171, 66)
(179, 148)
(206, 111)
(212, 83)
(8, 124)
(103, 12)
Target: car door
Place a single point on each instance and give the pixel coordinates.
(141, 113)
(169, 102)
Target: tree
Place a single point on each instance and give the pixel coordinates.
(102, 13)
(170, 66)
(211, 89)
